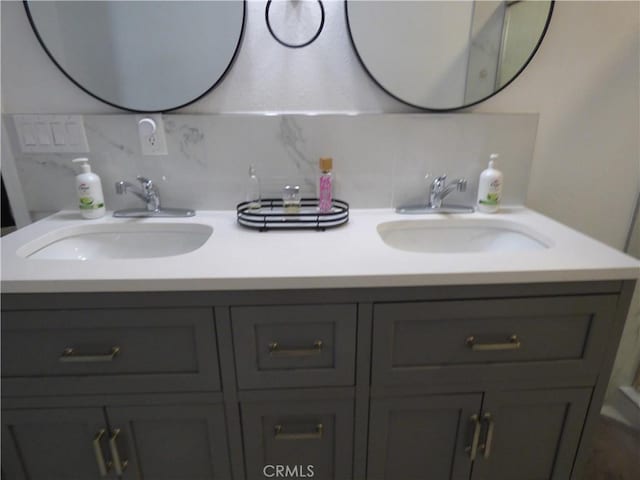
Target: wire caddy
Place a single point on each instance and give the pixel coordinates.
(273, 216)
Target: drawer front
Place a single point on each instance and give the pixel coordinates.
(114, 350)
(294, 346)
(491, 339)
(312, 439)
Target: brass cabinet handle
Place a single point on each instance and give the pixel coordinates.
(486, 446)
(472, 450)
(280, 434)
(277, 351)
(70, 355)
(512, 343)
(119, 464)
(103, 466)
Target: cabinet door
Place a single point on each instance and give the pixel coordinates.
(298, 439)
(422, 437)
(52, 444)
(186, 442)
(530, 435)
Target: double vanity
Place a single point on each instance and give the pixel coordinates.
(465, 346)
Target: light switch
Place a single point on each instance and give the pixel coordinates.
(51, 133)
(28, 134)
(43, 132)
(59, 133)
(73, 134)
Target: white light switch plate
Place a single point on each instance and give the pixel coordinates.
(51, 133)
(152, 143)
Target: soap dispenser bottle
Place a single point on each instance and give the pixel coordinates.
(89, 190)
(490, 187)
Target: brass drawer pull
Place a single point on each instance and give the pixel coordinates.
(279, 434)
(119, 465)
(513, 343)
(103, 466)
(69, 355)
(486, 446)
(472, 450)
(277, 351)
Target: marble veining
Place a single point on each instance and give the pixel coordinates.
(380, 160)
(190, 137)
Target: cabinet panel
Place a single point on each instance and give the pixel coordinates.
(52, 444)
(294, 345)
(111, 350)
(186, 442)
(422, 437)
(535, 434)
(448, 342)
(314, 438)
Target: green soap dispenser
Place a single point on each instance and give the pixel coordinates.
(490, 187)
(89, 190)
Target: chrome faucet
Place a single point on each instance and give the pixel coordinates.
(148, 193)
(440, 189)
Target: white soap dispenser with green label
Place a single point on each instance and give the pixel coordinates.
(89, 190)
(490, 187)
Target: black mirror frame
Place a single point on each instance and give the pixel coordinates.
(292, 45)
(446, 110)
(85, 90)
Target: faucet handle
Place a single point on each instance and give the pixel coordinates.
(439, 182)
(146, 184)
(144, 181)
(121, 187)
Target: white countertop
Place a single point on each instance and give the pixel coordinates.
(236, 258)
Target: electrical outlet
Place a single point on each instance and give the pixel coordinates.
(153, 140)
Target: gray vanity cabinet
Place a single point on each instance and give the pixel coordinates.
(168, 442)
(481, 382)
(108, 350)
(530, 435)
(159, 442)
(298, 435)
(448, 342)
(420, 438)
(294, 345)
(502, 435)
(51, 444)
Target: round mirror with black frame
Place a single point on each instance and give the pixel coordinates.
(141, 56)
(446, 55)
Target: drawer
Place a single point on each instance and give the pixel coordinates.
(108, 350)
(453, 341)
(314, 437)
(294, 345)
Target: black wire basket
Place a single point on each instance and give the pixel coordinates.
(272, 215)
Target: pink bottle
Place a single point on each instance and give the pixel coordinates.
(325, 190)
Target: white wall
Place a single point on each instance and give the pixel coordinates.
(584, 83)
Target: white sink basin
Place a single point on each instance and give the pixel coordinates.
(460, 236)
(117, 241)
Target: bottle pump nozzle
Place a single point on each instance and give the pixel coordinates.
(84, 164)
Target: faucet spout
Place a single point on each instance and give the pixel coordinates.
(440, 189)
(147, 192)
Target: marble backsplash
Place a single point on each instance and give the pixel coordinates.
(380, 160)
